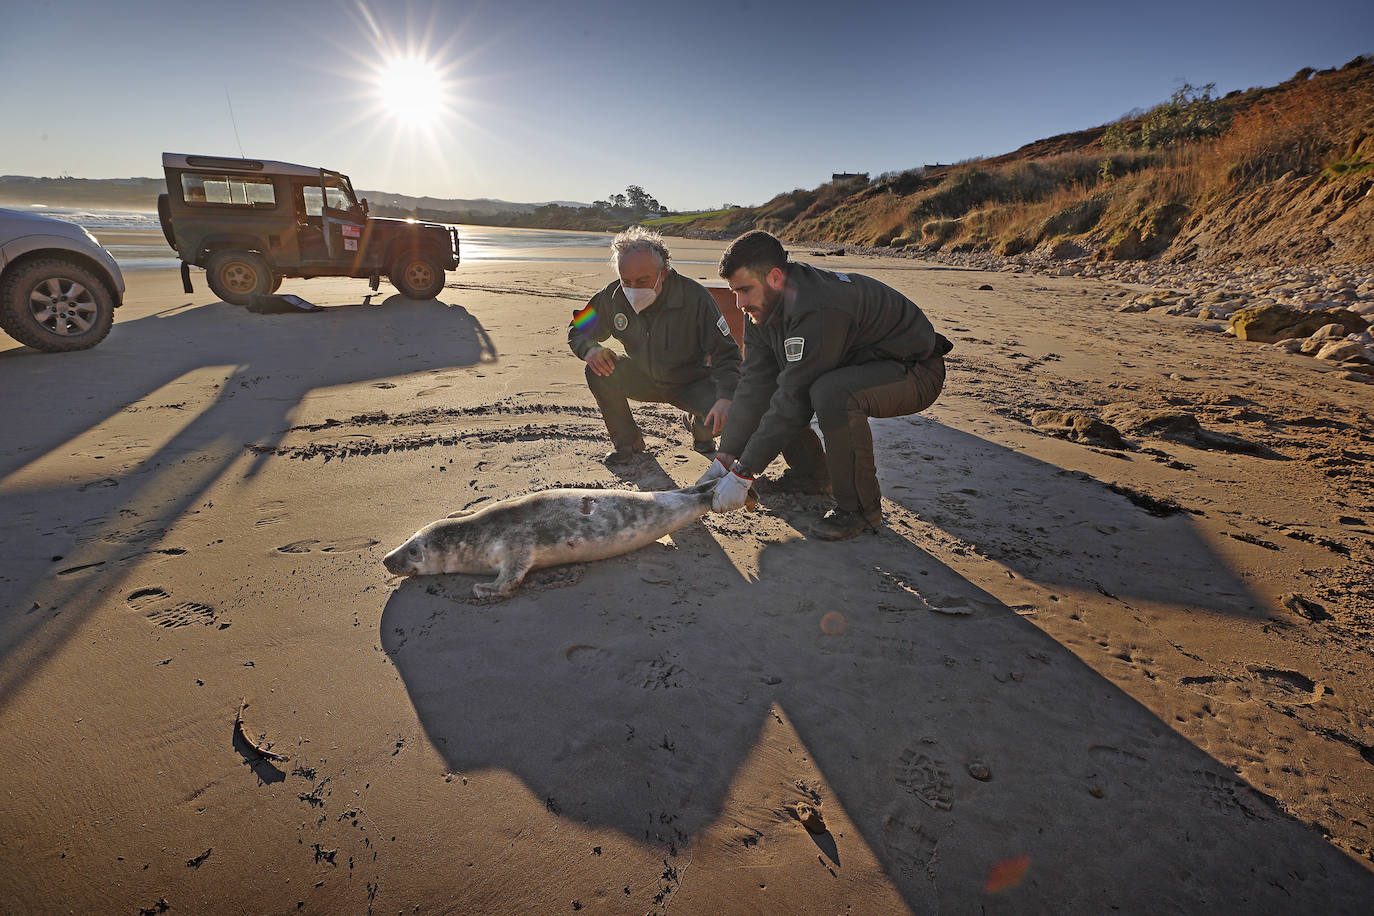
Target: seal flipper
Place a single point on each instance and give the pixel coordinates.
(514, 565)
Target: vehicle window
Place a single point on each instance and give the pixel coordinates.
(199, 189)
(337, 198)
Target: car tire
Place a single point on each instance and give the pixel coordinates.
(56, 305)
(418, 275)
(238, 276)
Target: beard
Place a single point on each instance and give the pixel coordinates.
(772, 298)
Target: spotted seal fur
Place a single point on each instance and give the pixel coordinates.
(516, 535)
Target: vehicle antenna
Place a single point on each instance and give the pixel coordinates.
(233, 121)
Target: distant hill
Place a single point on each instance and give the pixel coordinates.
(95, 193)
(478, 206)
(141, 194)
(1281, 174)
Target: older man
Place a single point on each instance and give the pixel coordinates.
(677, 346)
(839, 346)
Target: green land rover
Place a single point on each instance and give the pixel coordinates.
(251, 222)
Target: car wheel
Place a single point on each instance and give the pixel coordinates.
(418, 275)
(237, 276)
(276, 283)
(56, 305)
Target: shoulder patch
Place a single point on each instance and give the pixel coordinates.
(724, 326)
(840, 276)
(792, 348)
(621, 322)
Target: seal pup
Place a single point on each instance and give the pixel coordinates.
(516, 535)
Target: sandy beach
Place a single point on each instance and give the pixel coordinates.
(1065, 678)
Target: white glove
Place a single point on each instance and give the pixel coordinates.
(731, 492)
(715, 472)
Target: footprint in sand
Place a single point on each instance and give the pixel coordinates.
(1283, 686)
(184, 614)
(271, 512)
(926, 779)
(83, 568)
(154, 603)
(585, 657)
(1221, 791)
(332, 546)
(908, 845)
(144, 598)
(659, 674)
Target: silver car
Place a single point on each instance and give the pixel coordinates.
(58, 287)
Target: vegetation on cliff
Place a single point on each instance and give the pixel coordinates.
(1281, 173)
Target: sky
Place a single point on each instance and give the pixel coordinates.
(700, 103)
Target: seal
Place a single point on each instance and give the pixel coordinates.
(548, 528)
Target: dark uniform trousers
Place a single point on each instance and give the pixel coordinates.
(845, 398)
(612, 393)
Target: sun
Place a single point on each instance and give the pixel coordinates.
(412, 90)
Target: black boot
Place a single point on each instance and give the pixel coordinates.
(839, 524)
(625, 454)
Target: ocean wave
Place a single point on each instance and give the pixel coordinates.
(97, 219)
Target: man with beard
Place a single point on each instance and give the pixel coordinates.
(838, 346)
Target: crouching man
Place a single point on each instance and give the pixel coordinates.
(839, 346)
(678, 348)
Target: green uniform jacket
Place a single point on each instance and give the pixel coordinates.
(825, 320)
(670, 340)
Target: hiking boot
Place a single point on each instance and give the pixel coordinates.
(702, 440)
(791, 482)
(839, 524)
(624, 454)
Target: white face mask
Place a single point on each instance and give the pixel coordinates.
(639, 299)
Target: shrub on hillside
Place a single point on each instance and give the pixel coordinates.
(1191, 114)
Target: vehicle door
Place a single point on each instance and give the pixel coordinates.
(329, 221)
(343, 219)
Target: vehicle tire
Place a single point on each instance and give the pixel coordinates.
(56, 305)
(237, 276)
(418, 275)
(276, 283)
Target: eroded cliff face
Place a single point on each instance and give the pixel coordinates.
(1294, 219)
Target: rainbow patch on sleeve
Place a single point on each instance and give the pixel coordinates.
(584, 318)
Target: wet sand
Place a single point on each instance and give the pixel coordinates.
(1064, 678)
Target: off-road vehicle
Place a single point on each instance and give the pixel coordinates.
(58, 287)
(251, 222)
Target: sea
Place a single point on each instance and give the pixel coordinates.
(135, 239)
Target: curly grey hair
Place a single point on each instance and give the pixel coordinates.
(637, 238)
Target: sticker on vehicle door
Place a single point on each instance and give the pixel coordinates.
(350, 244)
(352, 231)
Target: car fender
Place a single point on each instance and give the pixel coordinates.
(38, 245)
(217, 243)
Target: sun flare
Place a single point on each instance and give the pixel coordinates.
(412, 90)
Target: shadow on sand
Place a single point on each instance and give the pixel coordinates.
(637, 710)
(256, 370)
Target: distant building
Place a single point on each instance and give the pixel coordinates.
(845, 176)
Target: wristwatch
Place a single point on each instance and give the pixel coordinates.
(740, 470)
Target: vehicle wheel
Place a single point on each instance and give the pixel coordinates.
(55, 305)
(276, 283)
(236, 276)
(418, 275)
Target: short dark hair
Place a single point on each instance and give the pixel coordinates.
(756, 251)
